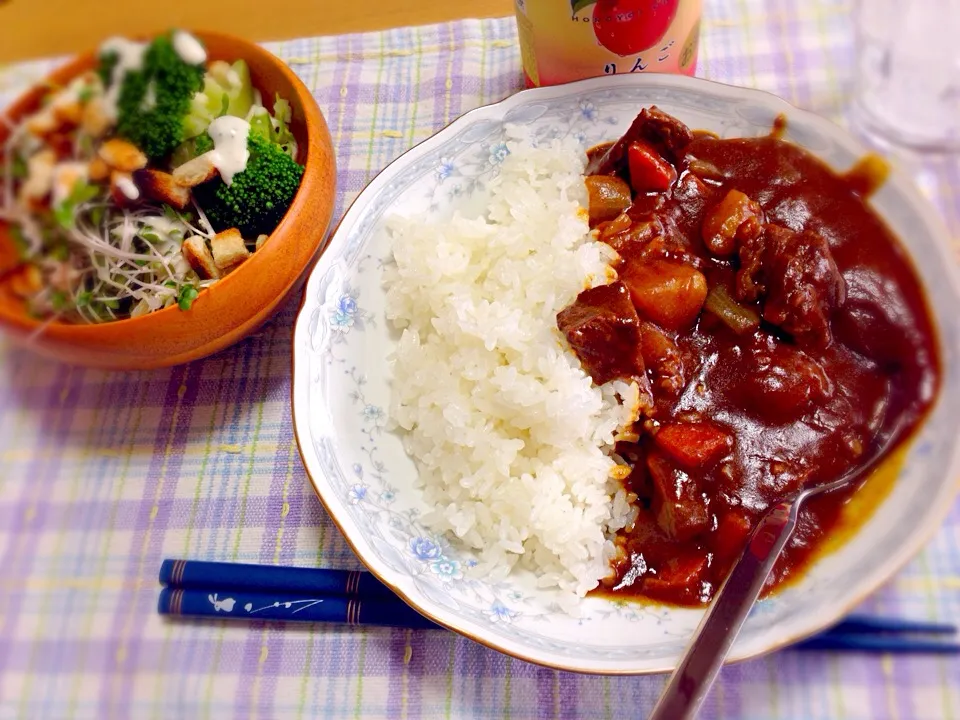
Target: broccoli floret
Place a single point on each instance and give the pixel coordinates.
(202, 143)
(258, 197)
(154, 100)
(108, 61)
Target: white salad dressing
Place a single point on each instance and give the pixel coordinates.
(129, 58)
(163, 225)
(189, 48)
(229, 154)
(149, 97)
(129, 190)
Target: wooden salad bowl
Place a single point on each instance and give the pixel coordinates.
(235, 305)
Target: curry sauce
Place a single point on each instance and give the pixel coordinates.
(777, 330)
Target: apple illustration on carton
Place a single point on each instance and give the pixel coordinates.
(628, 27)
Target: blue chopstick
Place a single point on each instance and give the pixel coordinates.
(198, 574)
(875, 644)
(862, 624)
(266, 592)
(244, 605)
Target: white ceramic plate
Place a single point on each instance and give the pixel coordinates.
(342, 347)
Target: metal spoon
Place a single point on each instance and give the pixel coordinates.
(693, 678)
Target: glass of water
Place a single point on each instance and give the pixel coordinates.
(907, 80)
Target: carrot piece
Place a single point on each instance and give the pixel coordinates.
(733, 529)
(648, 171)
(694, 445)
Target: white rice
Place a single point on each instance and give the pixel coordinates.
(511, 439)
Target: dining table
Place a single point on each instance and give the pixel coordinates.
(103, 474)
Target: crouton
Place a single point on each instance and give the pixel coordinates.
(95, 121)
(195, 252)
(67, 112)
(66, 175)
(160, 186)
(123, 190)
(228, 248)
(261, 239)
(26, 281)
(42, 123)
(39, 177)
(196, 171)
(122, 155)
(98, 170)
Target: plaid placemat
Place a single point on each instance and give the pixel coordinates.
(103, 474)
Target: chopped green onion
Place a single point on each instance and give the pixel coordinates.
(737, 317)
(83, 298)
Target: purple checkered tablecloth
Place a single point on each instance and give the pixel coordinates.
(102, 474)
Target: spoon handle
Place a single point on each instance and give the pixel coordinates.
(691, 681)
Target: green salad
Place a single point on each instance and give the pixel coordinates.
(144, 181)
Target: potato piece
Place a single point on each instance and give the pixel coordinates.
(160, 186)
(122, 155)
(196, 171)
(228, 248)
(735, 215)
(694, 446)
(195, 251)
(667, 293)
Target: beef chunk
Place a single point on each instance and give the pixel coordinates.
(663, 358)
(665, 133)
(780, 383)
(603, 329)
(678, 501)
(681, 576)
(798, 277)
